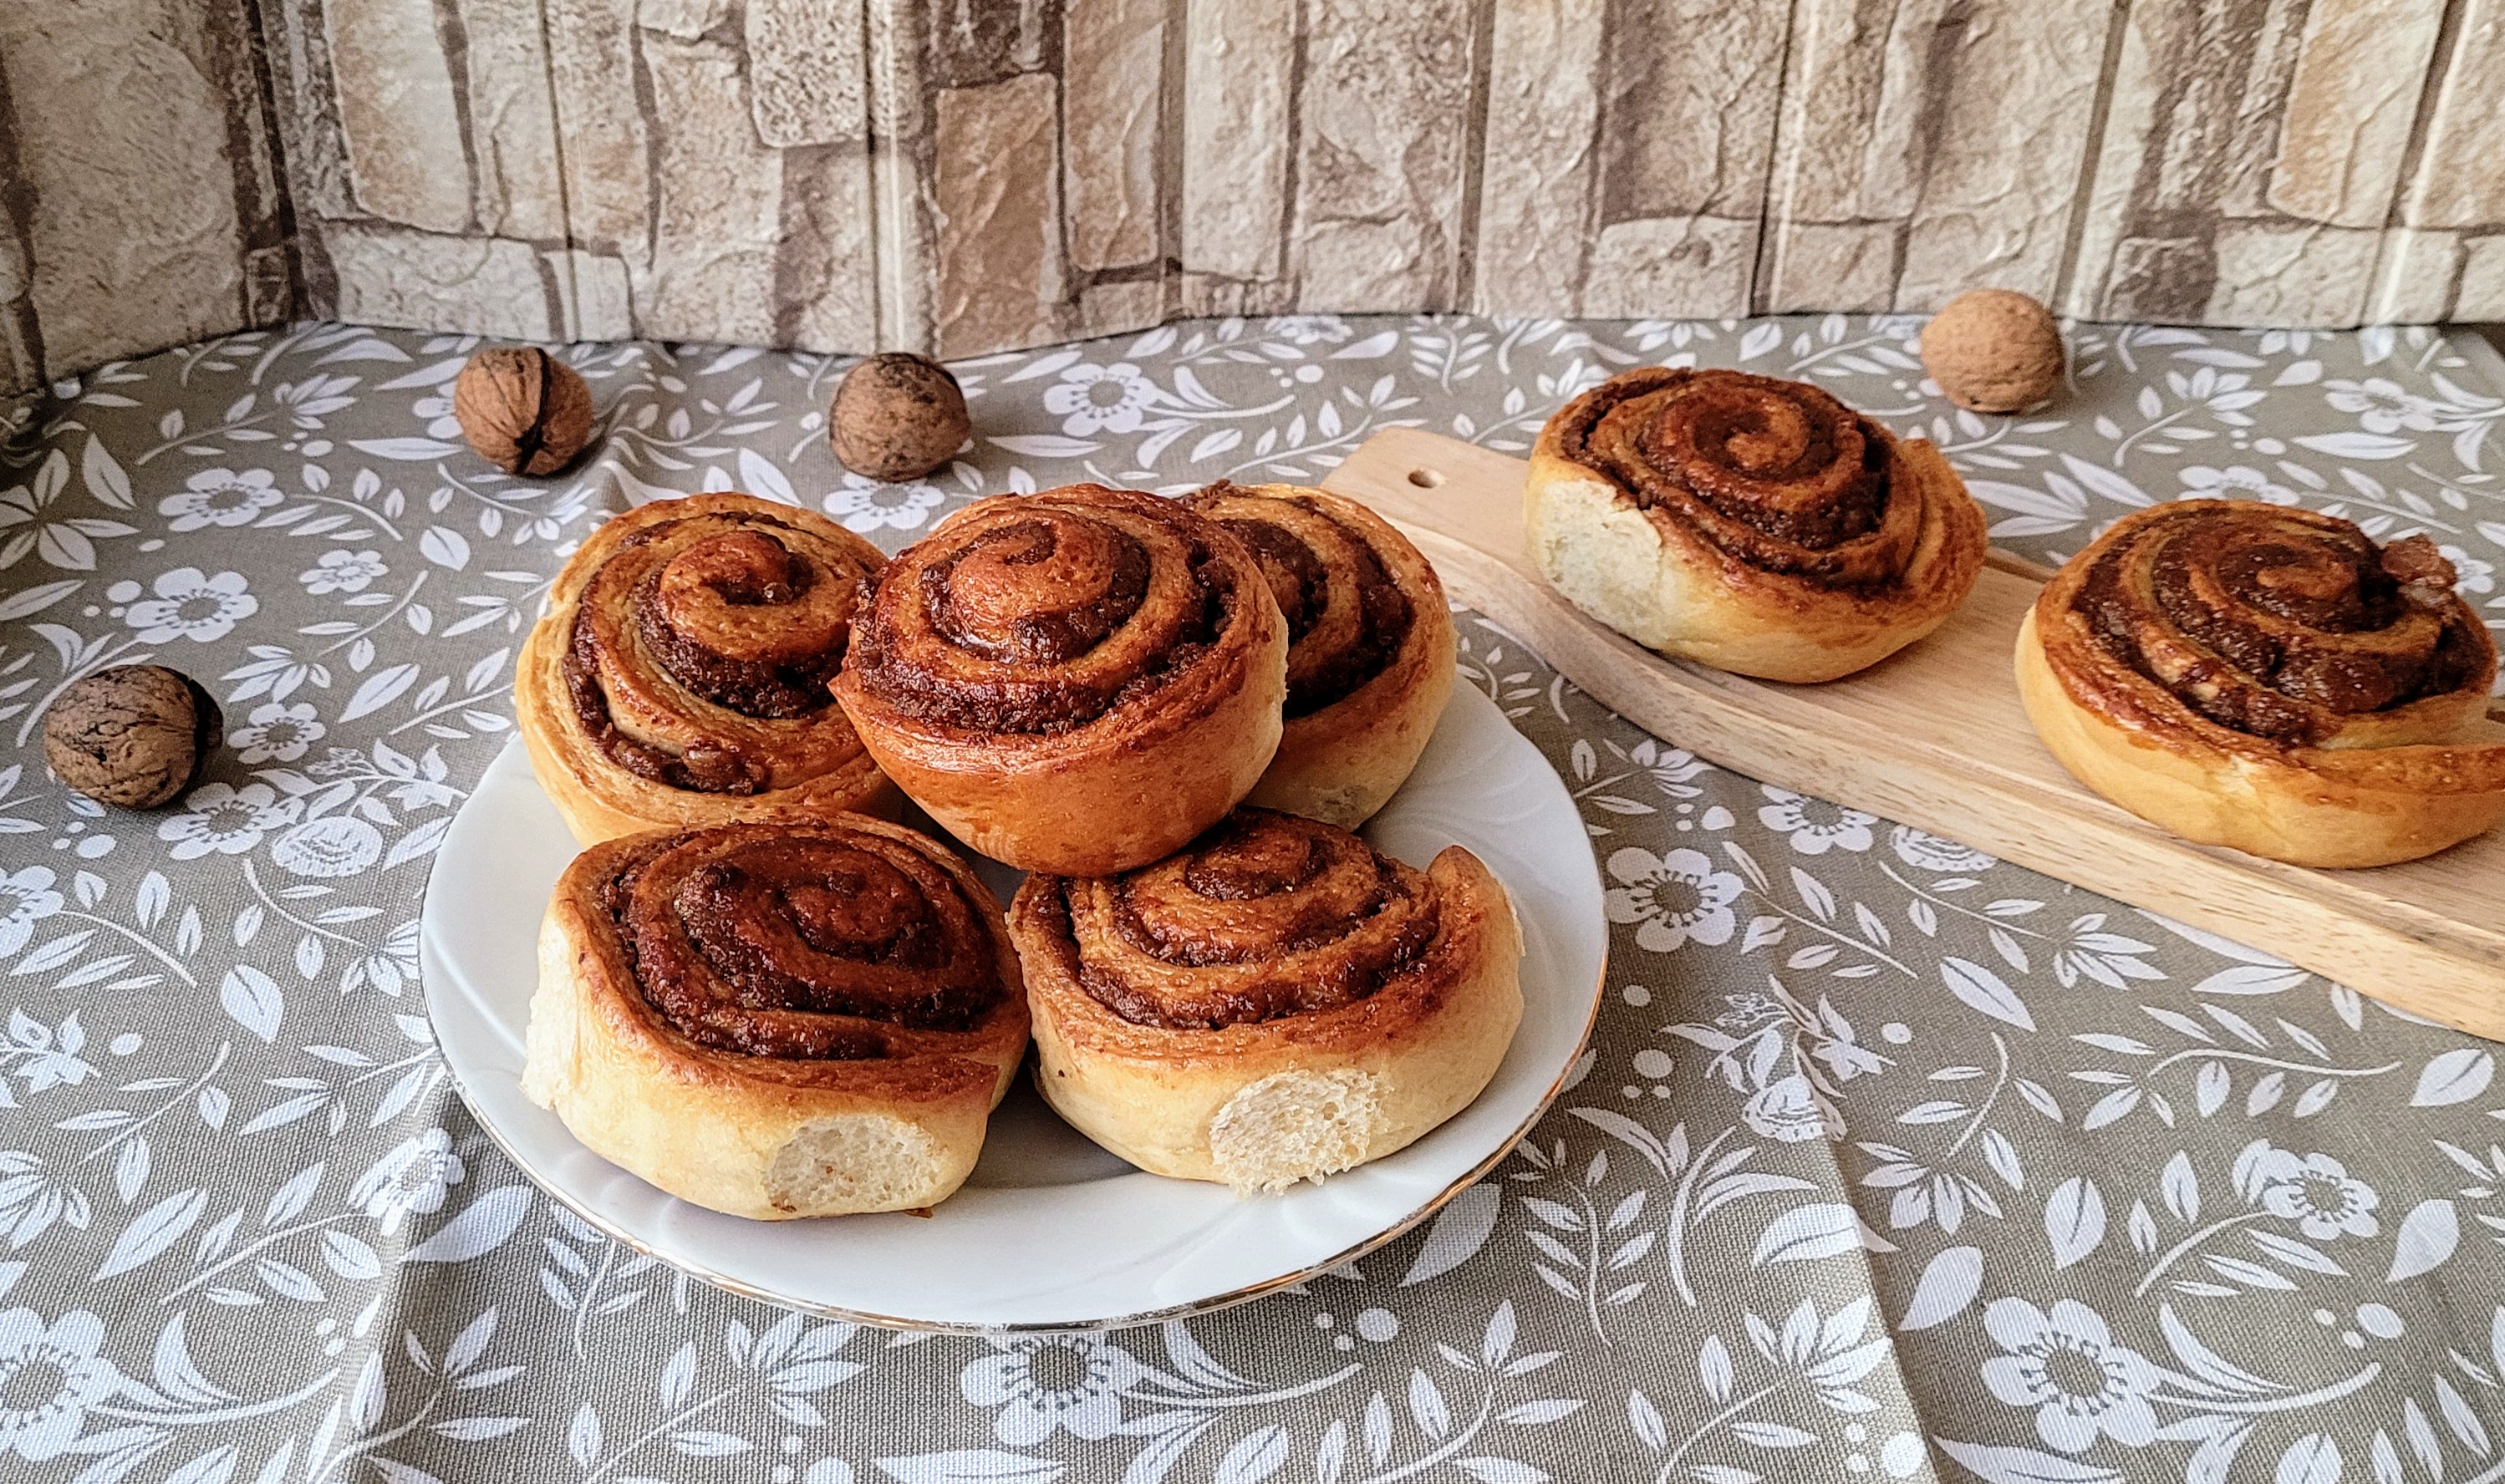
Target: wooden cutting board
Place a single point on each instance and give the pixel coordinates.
(1935, 736)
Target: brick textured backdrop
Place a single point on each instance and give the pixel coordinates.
(971, 175)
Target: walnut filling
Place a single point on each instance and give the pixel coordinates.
(2280, 623)
(1775, 473)
(1347, 618)
(1266, 915)
(799, 942)
(1049, 614)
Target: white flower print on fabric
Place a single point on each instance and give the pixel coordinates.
(30, 1202)
(1929, 852)
(276, 733)
(2319, 1194)
(191, 604)
(865, 504)
(2066, 1366)
(2380, 405)
(1814, 825)
(1100, 399)
(1056, 1382)
(49, 1378)
(2471, 575)
(412, 1179)
(220, 497)
(1790, 1111)
(342, 571)
(26, 898)
(333, 846)
(225, 819)
(2237, 481)
(1307, 329)
(47, 1056)
(1677, 898)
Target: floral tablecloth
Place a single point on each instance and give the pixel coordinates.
(1887, 1159)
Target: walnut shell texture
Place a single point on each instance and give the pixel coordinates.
(522, 409)
(897, 417)
(1994, 350)
(133, 736)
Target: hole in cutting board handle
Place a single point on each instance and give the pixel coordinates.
(1426, 478)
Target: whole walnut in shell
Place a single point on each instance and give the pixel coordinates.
(897, 416)
(1994, 350)
(133, 736)
(524, 411)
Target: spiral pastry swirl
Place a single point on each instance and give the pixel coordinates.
(1370, 645)
(1268, 915)
(1753, 524)
(2323, 697)
(793, 1016)
(1276, 1001)
(681, 674)
(1079, 680)
(806, 942)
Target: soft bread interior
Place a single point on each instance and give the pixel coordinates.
(1296, 1125)
(858, 1161)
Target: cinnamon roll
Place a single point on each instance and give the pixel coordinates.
(1753, 525)
(1370, 647)
(799, 1016)
(680, 676)
(2268, 678)
(1277, 1003)
(1078, 680)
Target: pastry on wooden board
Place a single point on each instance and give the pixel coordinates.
(1279, 1002)
(785, 1018)
(1370, 646)
(2269, 678)
(1752, 525)
(681, 674)
(1078, 680)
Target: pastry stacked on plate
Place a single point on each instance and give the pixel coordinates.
(765, 1000)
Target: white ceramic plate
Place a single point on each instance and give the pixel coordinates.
(1050, 1232)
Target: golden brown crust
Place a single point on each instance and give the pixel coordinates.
(2267, 679)
(679, 677)
(1078, 680)
(710, 998)
(1370, 646)
(1755, 524)
(1275, 948)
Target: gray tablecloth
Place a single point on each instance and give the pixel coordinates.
(1887, 1161)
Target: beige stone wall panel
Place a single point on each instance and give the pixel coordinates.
(809, 70)
(132, 240)
(1679, 267)
(1239, 58)
(2300, 274)
(717, 200)
(1536, 190)
(997, 166)
(2460, 178)
(2017, 88)
(393, 275)
(1112, 103)
(515, 191)
(607, 163)
(1380, 153)
(407, 161)
(2350, 108)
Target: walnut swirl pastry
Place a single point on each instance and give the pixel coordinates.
(795, 1017)
(1276, 1003)
(1078, 680)
(1370, 647)
(1753, 525)
(681, 674)
(2268, 678)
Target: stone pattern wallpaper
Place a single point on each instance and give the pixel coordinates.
(963, 176)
